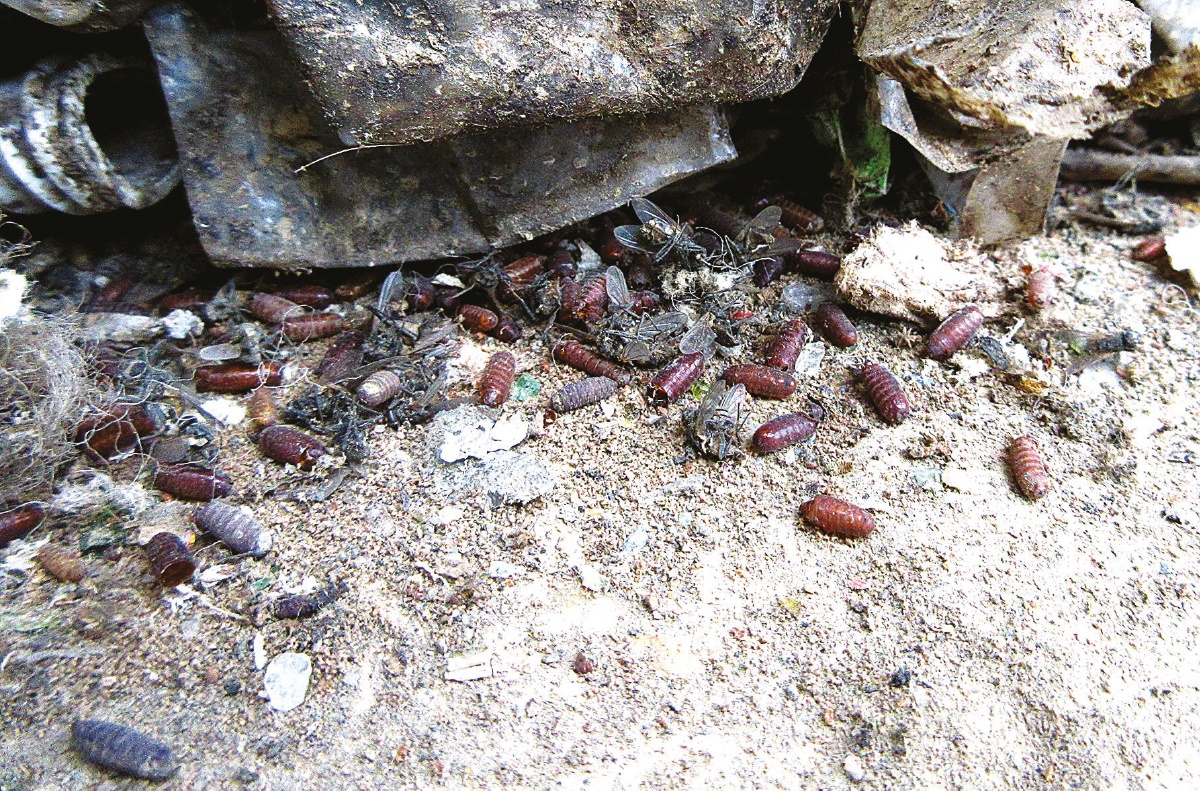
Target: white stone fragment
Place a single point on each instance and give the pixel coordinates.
(226, 410)
(1183, 248)
(469, 667)
(591, 579)
(259, 648)
(854, 768)
(499, 570)
(470, 434)
(286, 680)
(181, 324)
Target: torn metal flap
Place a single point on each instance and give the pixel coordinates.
(249, 134)
(946, 145)
(1008, 199)
(408, 72)
(997, 184)
(1049, 67)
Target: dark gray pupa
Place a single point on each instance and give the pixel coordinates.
(122, 749)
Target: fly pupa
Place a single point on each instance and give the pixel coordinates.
(290, 446)
(1028, 467)
(761, 380)
(192, 482)
(585, 392)
(20, 521)
(835, 326)
(496, 381)
(782, 432)
(312, 326)
(581, 358)
(122, 749)
(674, 379)
(171, 561)
(237, 377)
(885, 392)
(954, 333)
(234, 527)
(785, 349)
(478, 319)
(837, 517)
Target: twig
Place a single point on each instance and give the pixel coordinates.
(1089, 164)
(33, 657)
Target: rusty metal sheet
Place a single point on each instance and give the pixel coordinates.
(407, 72)
(246, 126)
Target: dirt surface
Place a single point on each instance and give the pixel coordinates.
(974, 640)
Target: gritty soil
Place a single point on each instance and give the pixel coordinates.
(974, 640)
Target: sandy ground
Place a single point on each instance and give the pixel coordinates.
(976, 640)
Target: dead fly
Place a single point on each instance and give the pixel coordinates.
(1094, 348)
(760, 231)
(728, 316)
(658, 235)
(393, 335)
(395, 287)
(139, 377)
(502, 284)
(244, 341)
(225, 304)
(644, 340)
(1115, 208)
(187, 439)
(714, 427)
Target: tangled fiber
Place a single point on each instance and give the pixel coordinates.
(43, 392)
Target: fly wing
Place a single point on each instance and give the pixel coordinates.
(781, 247)
(392, 285)
(614, 284)
(636, 351)
(648, 212)
(630, 236)
(663, 324)
(733, 401)
(713, 402)
(766, 220)
(699, 338)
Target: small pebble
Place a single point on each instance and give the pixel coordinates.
(592, 579)
(854, 768)
(286, 680)
(582, 665)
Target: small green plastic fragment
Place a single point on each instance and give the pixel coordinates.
(929, 479)
(525, 388)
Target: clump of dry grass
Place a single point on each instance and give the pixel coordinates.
(44, 391)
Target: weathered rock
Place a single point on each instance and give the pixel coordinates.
(910, 274)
